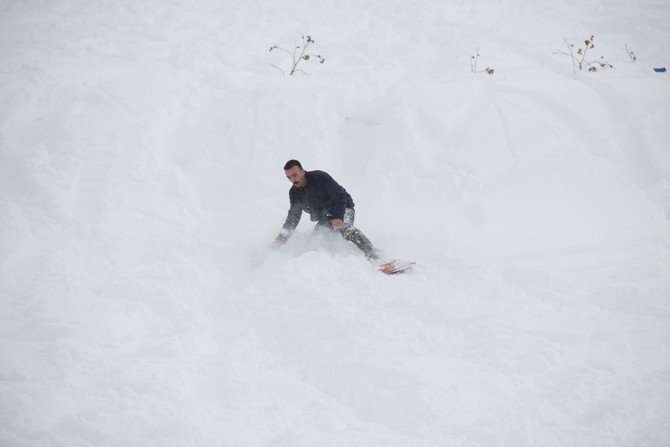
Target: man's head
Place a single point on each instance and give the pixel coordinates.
(295, 173)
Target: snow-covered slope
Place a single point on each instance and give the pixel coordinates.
(141, 183)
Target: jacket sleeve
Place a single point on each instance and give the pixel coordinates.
(292, 219)
(338, 197)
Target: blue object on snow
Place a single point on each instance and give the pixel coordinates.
(660, 70)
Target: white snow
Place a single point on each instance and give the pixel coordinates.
(141, 183)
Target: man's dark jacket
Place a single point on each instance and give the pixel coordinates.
(322, 198)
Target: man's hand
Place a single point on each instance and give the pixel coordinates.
(276, 244)
(337, 224)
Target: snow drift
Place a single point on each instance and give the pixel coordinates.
(141, 147)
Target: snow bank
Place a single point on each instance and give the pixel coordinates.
(141, 146)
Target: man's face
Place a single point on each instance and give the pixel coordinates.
(297, 176)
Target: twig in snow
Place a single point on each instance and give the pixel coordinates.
(297, 55)
(631, 55)
(473, 64)
(579, 57)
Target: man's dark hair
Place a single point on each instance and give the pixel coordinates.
(289, 164)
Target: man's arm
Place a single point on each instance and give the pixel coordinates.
(338, 195)
(291, 222)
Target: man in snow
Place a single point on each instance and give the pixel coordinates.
(327, 203)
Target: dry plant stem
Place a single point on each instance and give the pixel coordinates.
(287, 52)
(473, 61)
(473, 64)
(576, 62)
(572, 55)
(294, 60)
(582, 63)
(586, 49)
(302, 55)
(295, 57)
